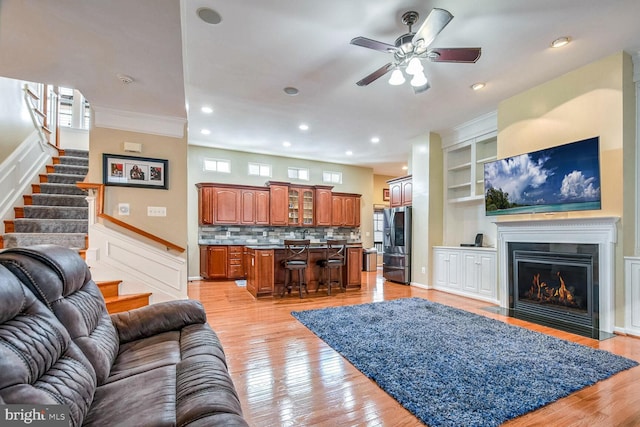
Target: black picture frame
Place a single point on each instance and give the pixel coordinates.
(131, 171)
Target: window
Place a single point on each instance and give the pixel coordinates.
(259, 169)
(217, 165)
(74, 109)
(332, 177)
(299, 173)
(378, 225)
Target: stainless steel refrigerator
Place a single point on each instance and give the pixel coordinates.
(397, 244)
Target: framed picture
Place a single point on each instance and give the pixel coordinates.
(385, 194)
(129, 171)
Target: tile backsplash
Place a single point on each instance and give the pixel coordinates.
(221, 234)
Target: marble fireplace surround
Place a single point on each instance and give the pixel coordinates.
(601, 231)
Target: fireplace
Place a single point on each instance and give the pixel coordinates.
(554, 285)
(580, 251)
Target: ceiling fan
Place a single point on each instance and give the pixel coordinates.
(410, 48)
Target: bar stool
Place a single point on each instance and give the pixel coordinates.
(333, 260)
(296, 258)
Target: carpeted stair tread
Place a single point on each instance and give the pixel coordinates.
(58, 200)
(68, 169)
(38, 225)
(56, 212)
(73, 152)
(69, 240)
(73, 161)
(55, 188)
(63, 178)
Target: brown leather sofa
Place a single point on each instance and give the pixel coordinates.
(160, 365)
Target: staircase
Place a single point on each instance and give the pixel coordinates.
(56, 212)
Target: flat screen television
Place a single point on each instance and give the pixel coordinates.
(558, 179)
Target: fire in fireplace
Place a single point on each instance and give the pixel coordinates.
(555, 288)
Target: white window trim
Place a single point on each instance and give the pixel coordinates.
(260, 168)
(217, 163)
(297, 173)
(332, 174)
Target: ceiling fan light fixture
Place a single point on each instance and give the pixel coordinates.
(397, 78)
(414, 67)
(419, 79)
(560, 42)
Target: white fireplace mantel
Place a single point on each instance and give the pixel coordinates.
(601, 231)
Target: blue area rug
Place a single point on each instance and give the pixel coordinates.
(450, 367)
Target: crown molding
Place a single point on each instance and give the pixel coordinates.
(139, 122)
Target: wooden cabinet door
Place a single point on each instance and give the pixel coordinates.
(395, 194)
(407, 192)
(349, 211)
(235, 267)
(356, 210)
(354, 267)
(247, 207)
(323, 207)
(278, 205)
(306, 207)
(337, 210)
(294, 206)
(264, 271)
(205, 205)
(226, 205)
(262, 207)
(213, 262)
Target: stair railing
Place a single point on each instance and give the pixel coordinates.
(42, 101)
(99, 213)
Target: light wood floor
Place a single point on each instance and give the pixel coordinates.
(286, 376)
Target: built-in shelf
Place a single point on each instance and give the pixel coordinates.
(465, 167)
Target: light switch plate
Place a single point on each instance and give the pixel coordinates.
(156, 211)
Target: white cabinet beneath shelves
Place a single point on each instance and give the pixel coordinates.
(469, 272)
(632, 295)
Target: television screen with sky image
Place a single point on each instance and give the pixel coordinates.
(557, 179)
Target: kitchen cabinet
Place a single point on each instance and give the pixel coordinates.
(323, 197)
(470, 272)
(235, 262)
(213, 262)
(354, 267)
(300, 206)
(400, 191)
(279, 195)
(254, 207)
(226, 205)
(345, 210)
(260, 271)
(205, 205)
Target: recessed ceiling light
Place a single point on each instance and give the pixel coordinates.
(375, 139)
(205, 131)
(405, 167)
(303, 126)
(291, 91)
(207, 110)
(125, 79)
(478, 86)
(561, 41)
(349, 153)
(286, 144)
(209, 16)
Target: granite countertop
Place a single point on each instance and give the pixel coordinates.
(267, 245)
(311, 246)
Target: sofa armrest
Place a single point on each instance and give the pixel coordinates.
(157, 318)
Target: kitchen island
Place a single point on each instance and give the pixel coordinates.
(265, 273)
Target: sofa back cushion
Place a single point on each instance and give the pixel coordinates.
(61, 279)
(39, 364)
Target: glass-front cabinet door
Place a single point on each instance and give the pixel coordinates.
(300, 206)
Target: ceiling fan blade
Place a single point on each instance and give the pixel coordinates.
(373, 44)
(431, 27)
(462, 54)
(420, 89)
(377, 74)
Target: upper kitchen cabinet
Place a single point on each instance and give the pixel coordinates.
(300, 206)
(230, 204)
(345, 210)
(400, 191)
(323, 199)
(254, 207)
(205, 205)
(279, 195)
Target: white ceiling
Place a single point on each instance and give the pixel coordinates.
(240, 66)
